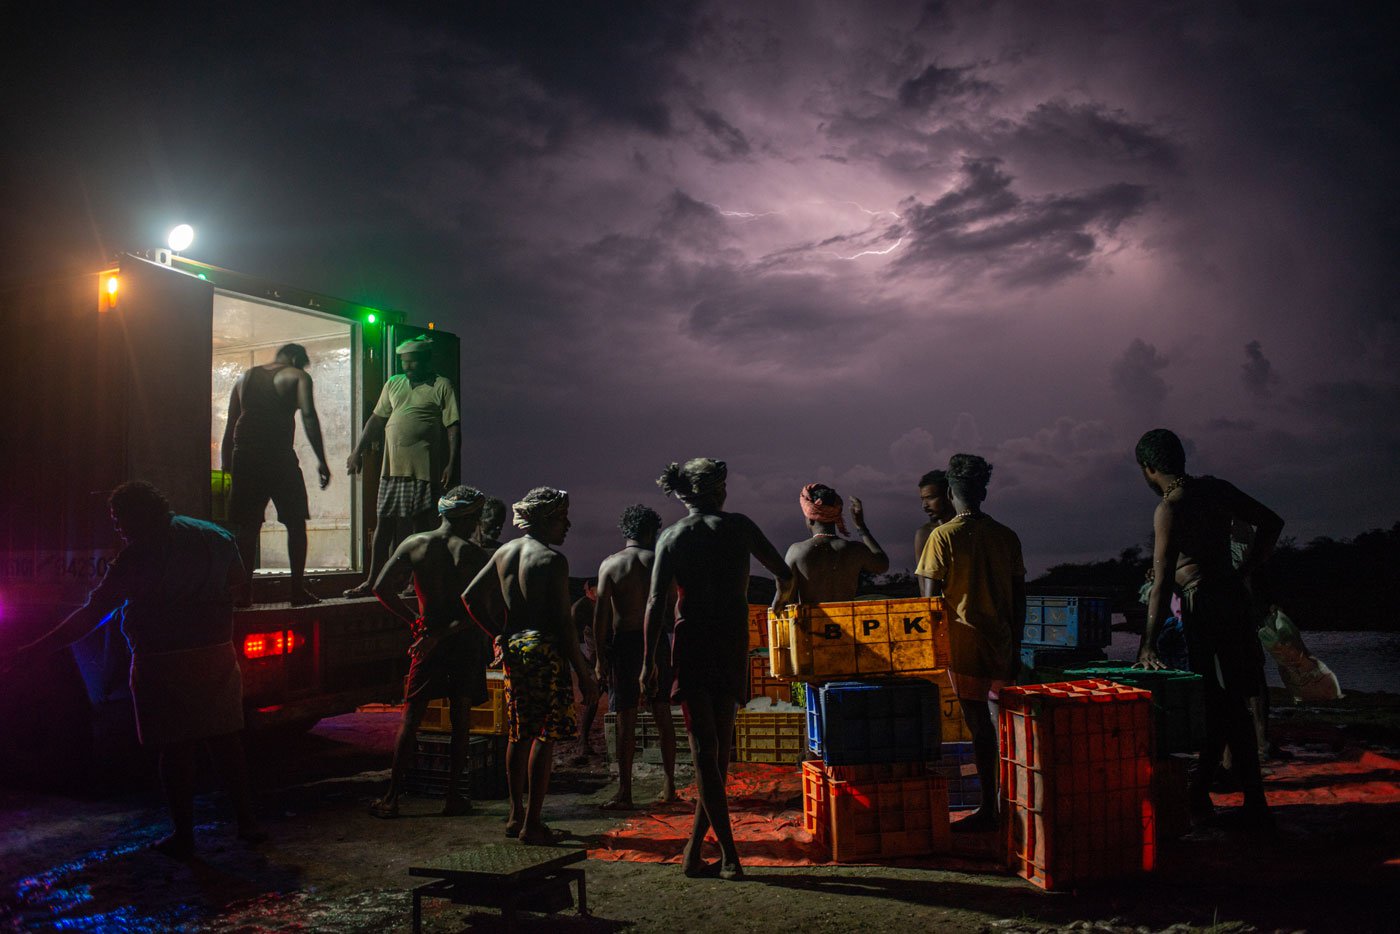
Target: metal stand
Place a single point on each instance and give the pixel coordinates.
(507, 877)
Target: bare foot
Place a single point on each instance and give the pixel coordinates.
(386, 808)
(175, 846)
(667, 796)
(358, 591)
(701, 869)
(303, 597)
(731, 871)
(618, 802)
(540, 835)
(513, 826)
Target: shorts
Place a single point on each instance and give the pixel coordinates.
(405, 497)
(453, 669)
(539, 690)
(1221, 637)
(624, 675)
(256, 478)
(186, 695)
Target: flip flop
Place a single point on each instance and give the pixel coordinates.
(384, 811)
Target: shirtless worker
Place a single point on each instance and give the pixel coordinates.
(976, 562)
(521, 597)
(581, 612)
(933, 496)
(446, 654)
(1191, 549)
(705, 556)
(257, 454)
(624, 582)
(827, 567)
(418, 420)
(493, 519)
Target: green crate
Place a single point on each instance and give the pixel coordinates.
(1178, 702)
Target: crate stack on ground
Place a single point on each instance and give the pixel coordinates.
(648, 747)
(1063, 632)
(484, 771)
(872, 795)
(1076, 778)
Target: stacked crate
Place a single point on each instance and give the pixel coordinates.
(957, 766)
(1076, 777)
(648, 748)
(1178, 703)
(1061, 632)
(483, 775)
(872, 795)
(488, 719)
(776, 737)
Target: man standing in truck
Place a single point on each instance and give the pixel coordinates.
(446, 652)
(257, 453)
(521, 597)
(414, 410)
(171, 588)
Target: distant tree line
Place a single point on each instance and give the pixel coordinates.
(1325, 584)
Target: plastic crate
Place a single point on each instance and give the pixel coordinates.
(858, 639)
(758, 626)
(220, 489)
(488, 719)
(1076, 779)
(1044, 658)
(778, 737)
(483, 774)
(857, 722)
(953, 725)
(648, 748)
(1178, 703)
(761, 681)
(858, 819)
(1067, 622)
(958, 768)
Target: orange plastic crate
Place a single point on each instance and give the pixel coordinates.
(875, 818)
(758, 626)
(1076, 779)
(763, 684)
(488, 719)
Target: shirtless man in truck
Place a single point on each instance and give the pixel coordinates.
(826, 566)
(257, 453)
(521, 597)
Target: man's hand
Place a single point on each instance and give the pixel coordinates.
(352, 463)
(323, 474)
(857, 513)
(498, 650)
(424, 646)
(589, 686)
(647, 682)
(1147, 658)
(446, 478)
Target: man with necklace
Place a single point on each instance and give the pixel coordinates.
(827, 567)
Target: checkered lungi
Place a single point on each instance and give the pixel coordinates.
(405, 497)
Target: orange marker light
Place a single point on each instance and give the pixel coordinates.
(109, 284)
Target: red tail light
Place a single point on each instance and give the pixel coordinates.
(263, 644)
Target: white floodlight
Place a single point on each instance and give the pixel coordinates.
(181, 238)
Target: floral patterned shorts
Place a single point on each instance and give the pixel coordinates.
(539, 689)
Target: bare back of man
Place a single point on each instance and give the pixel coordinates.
(827, 567)
(447, 660)
(624, 583)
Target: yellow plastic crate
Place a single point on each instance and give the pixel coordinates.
(779, 737)
(862, 638)
(488, 719)
(220, 488)
(955, 729)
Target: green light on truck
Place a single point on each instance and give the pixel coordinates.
(371, 318)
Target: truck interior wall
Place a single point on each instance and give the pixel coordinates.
(166, 320)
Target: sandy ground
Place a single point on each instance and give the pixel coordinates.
(80, 863)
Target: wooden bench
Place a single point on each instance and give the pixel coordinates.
(507, 876)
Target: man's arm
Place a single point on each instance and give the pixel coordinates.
(1164, 556)
(372, 433)
(603, 619)
(454, 444)
(551, 578)
(235, 408)
(482, 598)
(663, 576)
(392, 578)
(929, 569)
(311, 424)
(877, 562)
(762, 549)
(100, 602)
(1268, 525)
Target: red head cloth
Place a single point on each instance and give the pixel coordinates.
(822, 512)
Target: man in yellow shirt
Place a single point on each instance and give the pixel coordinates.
(416, 410)
(976, 562)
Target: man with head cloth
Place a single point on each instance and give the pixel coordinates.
(446, 654)
(705, 556)
(417, 418)
(976, 562)
(493, 519)
(521, 596)
(827, 567)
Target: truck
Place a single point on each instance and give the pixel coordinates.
(125, 373)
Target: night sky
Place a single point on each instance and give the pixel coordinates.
(830, 241)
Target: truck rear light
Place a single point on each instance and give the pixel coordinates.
(263, 644)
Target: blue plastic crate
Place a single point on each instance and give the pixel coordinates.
(1067, 622)
(958, 767)
(1052, 658)
(861, 722)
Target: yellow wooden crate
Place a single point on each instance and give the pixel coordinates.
(488, 719)
(862, 638)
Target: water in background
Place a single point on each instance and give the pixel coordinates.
(1362, 661)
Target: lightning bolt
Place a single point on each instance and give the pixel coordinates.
(751, 215)
(885, 252)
